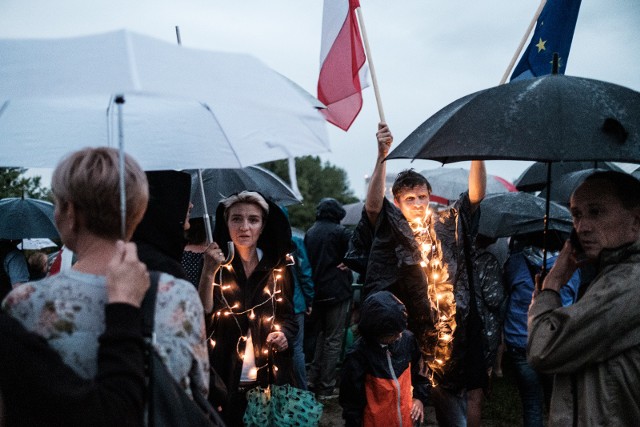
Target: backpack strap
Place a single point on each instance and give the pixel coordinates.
(149, 306)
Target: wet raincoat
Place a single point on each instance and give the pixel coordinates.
(592, 346)
(389, 257)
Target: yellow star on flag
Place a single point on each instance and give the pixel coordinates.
(541, 45)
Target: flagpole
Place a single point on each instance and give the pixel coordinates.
(505, 76)
(367, 50)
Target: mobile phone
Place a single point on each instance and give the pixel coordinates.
(575, 242)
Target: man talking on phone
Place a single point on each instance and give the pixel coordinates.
(593, 346)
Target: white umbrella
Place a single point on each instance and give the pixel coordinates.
(183, 108)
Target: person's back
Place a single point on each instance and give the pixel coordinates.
(380, 382)
(326, 243)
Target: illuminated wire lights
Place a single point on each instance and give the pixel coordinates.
(436, 343)
(272, 292)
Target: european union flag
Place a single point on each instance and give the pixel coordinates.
(553, 33)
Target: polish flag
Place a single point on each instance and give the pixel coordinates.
(342, 61)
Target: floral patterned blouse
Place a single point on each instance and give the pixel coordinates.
(68, 311)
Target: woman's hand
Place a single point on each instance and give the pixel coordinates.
(278, 340)
(417, 411)
(213, 259)
(127, 276)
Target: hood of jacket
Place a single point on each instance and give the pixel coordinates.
(382, 314)
(162, 226)
(330, 209)
(275, 240)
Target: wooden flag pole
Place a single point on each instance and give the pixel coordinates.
(505, 76)
(367, 50)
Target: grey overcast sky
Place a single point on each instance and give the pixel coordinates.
(426, 53)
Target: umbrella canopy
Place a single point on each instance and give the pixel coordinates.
(448, 183)
(562, 189)
(26, 218)
(36, 244)
(354, 213)
(512, 214)
(549, 118)
(534, 178)
(183, 108)
(220, 183)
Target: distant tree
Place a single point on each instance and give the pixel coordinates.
(315, 181)
(14, 184)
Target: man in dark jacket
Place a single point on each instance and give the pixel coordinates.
(425, 260)
(327, 242)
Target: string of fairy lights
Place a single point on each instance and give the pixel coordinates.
(273, 295)
(439, 340)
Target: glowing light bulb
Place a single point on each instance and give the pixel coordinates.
(243, 338)
(423, 264)
(439, 362)
(253, 372)
(212, 343)
(279, 299)
(269, 319)
(278, 276)
(228, 267)
(275, 368)
(436, 276)
(265, 351)
(445, 337)
(276, 327)
(226, 287)
(236, 305)
(252, 315)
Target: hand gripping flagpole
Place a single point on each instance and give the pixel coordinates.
(367, 50)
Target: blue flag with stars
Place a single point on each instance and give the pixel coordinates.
(553, 33)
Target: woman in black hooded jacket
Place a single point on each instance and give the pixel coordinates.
(248, 303)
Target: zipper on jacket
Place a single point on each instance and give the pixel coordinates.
(397, 384)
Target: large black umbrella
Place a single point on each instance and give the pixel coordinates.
(26, 218)
(220, 183)
(549, 118)
(511, 214)
(534, 178)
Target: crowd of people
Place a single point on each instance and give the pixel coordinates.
(260, 305)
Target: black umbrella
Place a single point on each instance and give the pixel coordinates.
(26, 218)
(563, 188)
(510, 214)
(549, 118)
(220, 183)
(534, 178)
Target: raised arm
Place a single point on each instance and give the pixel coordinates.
(375, 193)
(477, 183)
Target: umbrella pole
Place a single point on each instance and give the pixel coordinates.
(207, 222)
(545, 232)
(119, 100)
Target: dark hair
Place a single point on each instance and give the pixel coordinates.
(196, 234)
(626, 187)
(408, 179)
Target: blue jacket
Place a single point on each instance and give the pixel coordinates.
(303, 291)
(517, 278)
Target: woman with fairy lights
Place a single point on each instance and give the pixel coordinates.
(247, 299)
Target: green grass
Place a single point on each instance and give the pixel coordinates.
(503, 407)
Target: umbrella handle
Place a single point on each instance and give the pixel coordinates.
(231, 252)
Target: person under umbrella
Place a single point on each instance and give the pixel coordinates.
(13, 267)
(247, 302)
(86, 186)
(426, 262)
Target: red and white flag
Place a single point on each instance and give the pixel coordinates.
(342, 60)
